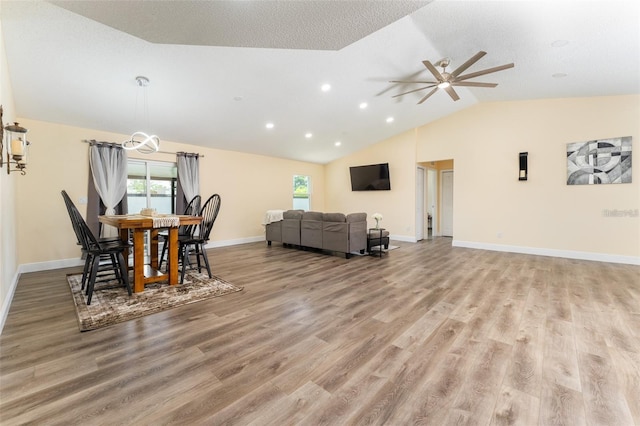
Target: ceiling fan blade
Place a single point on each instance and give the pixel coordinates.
(483, 72)
(411, 91)
(473, 84)
(427, 95)
(475, 58)
(433, 70)
(421, 82)
(452, 93)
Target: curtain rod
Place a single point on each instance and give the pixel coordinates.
(159, 152)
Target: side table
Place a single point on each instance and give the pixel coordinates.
(377, 237)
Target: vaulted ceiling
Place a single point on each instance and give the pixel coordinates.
(220, 71)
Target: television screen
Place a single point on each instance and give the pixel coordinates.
(374, 177)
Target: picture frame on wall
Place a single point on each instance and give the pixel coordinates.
(599, 161)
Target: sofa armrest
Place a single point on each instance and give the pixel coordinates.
(357, 231)
(273, 232)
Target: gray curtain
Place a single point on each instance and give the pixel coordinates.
(108, 165)
(188, 179)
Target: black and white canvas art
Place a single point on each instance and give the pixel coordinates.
(599, 161)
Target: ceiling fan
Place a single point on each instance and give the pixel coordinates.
(446, 81)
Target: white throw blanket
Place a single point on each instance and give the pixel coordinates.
(272, 216)
(166, 221)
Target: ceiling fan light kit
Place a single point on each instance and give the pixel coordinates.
(446, 81)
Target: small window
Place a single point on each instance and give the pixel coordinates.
(301, 192)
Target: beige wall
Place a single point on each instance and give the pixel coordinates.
(8, 258)
(397, 205)
(248, 184)
(492, 207)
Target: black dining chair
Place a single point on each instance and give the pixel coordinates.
(192, 209)
(95, 250)
(194, 244)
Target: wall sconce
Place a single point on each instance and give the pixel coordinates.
(524, 167)
(16, 146)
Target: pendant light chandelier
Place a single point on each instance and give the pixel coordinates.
(141, 141)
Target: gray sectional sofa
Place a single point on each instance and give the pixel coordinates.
(334, 232)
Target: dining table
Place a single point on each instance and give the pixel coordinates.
(138, 225)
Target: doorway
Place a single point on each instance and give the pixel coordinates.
(432, 197)
(420, 189)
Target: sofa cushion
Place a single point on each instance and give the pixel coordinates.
(334, 217)
(356, 217)
(312, 216)
(293, 214)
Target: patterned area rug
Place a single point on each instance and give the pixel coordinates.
(113, 305)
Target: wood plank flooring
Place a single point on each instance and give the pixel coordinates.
(428, 334)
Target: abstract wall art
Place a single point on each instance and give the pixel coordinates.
(599, 161)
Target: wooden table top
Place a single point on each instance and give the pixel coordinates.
(140, 221)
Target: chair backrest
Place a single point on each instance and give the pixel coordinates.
(83, 233)
(192, 209)
(209, 214)
(69, 203)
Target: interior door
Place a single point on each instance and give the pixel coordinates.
(447, 202)
(432, 196)
(420, 175)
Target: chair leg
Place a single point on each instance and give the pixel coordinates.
(85, 271)
(203, 251)
(198, 254)
(164, 251)
(115, 265)
(124, 274)
(184, 251)
(92, 278)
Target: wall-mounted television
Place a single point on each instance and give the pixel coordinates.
(373, 177)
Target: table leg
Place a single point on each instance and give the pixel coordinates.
(124, 236)
(154, 248)
(173, 256)
(138, 260)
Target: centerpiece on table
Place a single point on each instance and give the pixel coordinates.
(378, 218)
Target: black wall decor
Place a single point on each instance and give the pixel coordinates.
(524, 170)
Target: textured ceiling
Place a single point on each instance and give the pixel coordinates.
(70, 69)
(316, 25)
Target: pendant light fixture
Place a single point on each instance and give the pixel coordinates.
(141, 141)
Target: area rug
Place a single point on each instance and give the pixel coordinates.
(112, 304)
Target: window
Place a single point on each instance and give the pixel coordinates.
(151, 184)
(301, 192)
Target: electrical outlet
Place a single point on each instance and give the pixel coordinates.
(499, 235)
(82, 200)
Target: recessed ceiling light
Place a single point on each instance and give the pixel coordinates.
(559, 75)
(325, 87)
(363, 105)
(390, 119)
(338, 143)
(308, 135)
(559, 43)
(269, 125)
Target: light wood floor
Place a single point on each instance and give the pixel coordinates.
(429, 334)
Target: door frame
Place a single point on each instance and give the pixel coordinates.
(436, 201)
(420, 202)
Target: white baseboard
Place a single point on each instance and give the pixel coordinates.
(568, 254)
(405, 238)
(52, 264)
(6, 304)
(235, 242)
